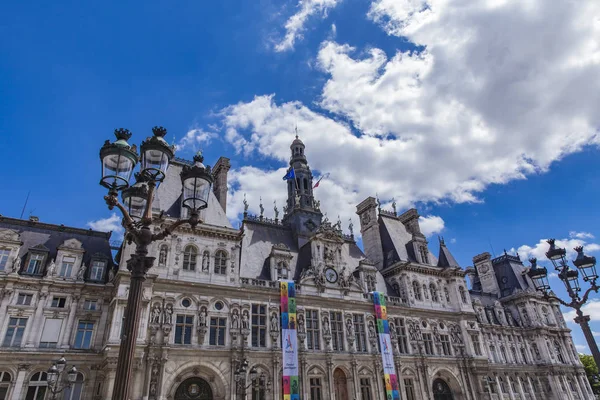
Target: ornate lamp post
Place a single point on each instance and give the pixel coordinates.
(118, 162)
(570, 277)
(241, 375)
(57, 381)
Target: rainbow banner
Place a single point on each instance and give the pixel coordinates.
(289, 341)
(387, 352)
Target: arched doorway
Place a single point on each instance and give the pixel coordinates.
(441, 390)
(194, 389)
(341, 385)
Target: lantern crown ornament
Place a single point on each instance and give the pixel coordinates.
(156, 155)
(555, 253)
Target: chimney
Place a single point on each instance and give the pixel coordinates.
(219, 172)
(369, 228)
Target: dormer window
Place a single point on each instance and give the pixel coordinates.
(66, 268)
(282, 271)
(424, 254)
(4, 254)
(35, 264)
(97, 270)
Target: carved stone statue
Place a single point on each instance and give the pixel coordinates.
(301, 327)
(51, 269)
(81, 272)
(202, 317)
(297, 199)
(349, 327)
(245, 204)
(275, 209)
(168, 314)
(392, 330)
(351, 227)
(156, 311)
(326, 327)
(111, 274)
(262, 209)
(245, 320)
(274, 323)
(16, 264)
(372, 333)
(318, 205)
(235, 320)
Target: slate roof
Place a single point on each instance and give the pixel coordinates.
(508, 269)
(446, 259)
(49, 237)
(394, 240)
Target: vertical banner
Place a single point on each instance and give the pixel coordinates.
(385, 344)
(289, 341)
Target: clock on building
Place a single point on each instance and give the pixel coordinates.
(331, 275)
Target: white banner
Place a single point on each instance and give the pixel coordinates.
(290, 352)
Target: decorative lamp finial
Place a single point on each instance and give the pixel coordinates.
(159, 131)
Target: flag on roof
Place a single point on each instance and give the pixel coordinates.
(319, 181)
(290, 175)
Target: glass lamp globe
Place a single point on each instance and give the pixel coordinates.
(156, 155)
(118, 160)
(586, 264)
(135, 198)
(197, 181)
(52, 375)
(72, 375)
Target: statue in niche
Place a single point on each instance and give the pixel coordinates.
(111, 274)
(329, 254)
(202, 317)
(349, 327)
(162, 256)
(51, 269)
(301, 328)
(298, 199)
(245, 320)
(235, 320)
(156, 312)
(81, 272)
(326, 328)
(16, 264)
(392, 330)
(274, 323)
(168, 314)
(318, 205)
(372, 333)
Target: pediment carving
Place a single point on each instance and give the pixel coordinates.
(8, 234)
(72, 244)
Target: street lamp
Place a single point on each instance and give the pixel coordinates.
(56, 379)
(257, 381)
(118, 162)
(570, 277)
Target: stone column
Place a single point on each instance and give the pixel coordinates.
(110, 380)
(521, 391)
(511, 394)
(303, 377)
(277, 392)
(355, 378)
(499, 386)
(378, 378)
(567, 387)
(36, 325)
(66, 335)
(19, 389)
(585, 385)
(330, 382)
(580, 392)
(531, 387)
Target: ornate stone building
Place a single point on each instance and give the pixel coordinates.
(212, 301)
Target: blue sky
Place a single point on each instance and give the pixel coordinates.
(491, 132)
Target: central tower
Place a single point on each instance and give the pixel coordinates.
(302, 211)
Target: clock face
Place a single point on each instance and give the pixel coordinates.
(331, 275)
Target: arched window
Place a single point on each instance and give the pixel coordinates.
(282, 270)
(74, 392)
(433, 291)
(205, 261)
(503, 352)
(446, 295)
(425, 292)
(463, 294)
(259, 387)
(305, 184)
(220, 262)
(4, 384)
(371, 283)
(417, 290)
(189, 258)
(494, 354)
(37, 386)
(524, 355)
(558, 351)
(514, 354)
(396, 288)
(162, 255)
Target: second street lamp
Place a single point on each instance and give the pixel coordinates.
(57, 381)
(118, 162)
(570, 277)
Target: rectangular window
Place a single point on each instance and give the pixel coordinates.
(428, 342)
(476, 344)
(51, 332)
(409, 388)
(83, 339)
(24, 299)
(402, 336)
(259, 325)
(217, 331)
(183, 329)
(337, 330)
(315, 388)
(97, 271)
(4, 254)
(35, 264)
(58, 302)
(90, 305)
(66, 268)
(14, 333)
(365, 388)
(360, 337)
(313, 338)
(445, 340)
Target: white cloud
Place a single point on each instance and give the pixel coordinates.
(592, 308)
(581, 235)
(597, 334)
(431, 224)
(194, 138)
(582, 348)
(295, 25)
(110, 224)
(482, 104)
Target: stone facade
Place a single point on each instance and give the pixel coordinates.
(212, 300)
